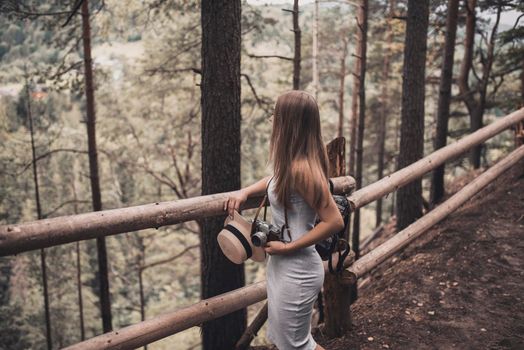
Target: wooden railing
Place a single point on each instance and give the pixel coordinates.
(65, 229)
(45, 233)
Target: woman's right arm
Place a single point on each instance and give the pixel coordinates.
(236, 198)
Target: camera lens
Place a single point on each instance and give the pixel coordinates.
(259, 239)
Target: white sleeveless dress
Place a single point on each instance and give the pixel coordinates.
(293, 280)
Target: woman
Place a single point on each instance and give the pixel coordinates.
(299, 185)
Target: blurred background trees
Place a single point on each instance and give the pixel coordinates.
(147, 66)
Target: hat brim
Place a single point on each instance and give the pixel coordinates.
(232, 247)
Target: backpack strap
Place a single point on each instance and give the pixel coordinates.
(342, 254)
(331, 186)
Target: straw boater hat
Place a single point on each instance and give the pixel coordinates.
(235, 240)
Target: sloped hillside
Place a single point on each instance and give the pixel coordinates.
(460, 286)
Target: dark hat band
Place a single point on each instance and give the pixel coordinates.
(241, 238)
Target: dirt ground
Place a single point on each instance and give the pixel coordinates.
(459, 286)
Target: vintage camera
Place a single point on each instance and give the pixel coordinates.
(264, 232)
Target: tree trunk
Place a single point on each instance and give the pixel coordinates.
(522, 85)
(384, 108)
(354, 103)
(486, 73)
(362, 24)
(341, 89)
(409, 198)
(39, 216)
(142, 299)
(315, 52)
(446, 78)
(78, 267)
(296, 59)
(463, 82)
(105, 304)
(220, 100)
(476, 108)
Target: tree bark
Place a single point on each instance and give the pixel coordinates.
(105, 303)
(466, 93)
(221, 41)
(315, 52)
(486, 73)
(362, 24)
(409, 198)
(142, 299)
(78, 268)
(446, 78)
(476, 108)
(354, 103)
(297, 57)
(385, 107)
(49, 340)
(341, 90)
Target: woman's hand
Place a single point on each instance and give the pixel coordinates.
(234, 201)
(278, 248)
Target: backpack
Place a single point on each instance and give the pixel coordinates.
(336, 241)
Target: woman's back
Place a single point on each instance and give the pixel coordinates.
(301, 217)
(293, 280)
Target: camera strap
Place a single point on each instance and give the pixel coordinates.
(262, 204)
(286, 226)
(266, 198)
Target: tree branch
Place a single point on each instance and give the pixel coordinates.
(46, 154)
(72, 201)
(271, 56)
(166, 260)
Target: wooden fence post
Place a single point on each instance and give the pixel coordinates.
(337, 297)
(519, 134)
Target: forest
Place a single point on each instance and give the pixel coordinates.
(109, 104)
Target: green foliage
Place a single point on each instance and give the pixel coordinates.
(146, 63)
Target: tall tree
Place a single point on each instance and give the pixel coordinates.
(105, 303)
(362, 28)
(39, 216)
(409, 198)
(384, 106)
(297, 57)
(444, 100)
(353, 120)
(78, 264)
(476, 106)
(341, 89)
(315, 52)
(220, 101)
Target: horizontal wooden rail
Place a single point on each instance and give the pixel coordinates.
(416, 170)
(404, 237)
(65, 229)
(162, 326)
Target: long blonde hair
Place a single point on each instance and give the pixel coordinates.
(296, 146)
